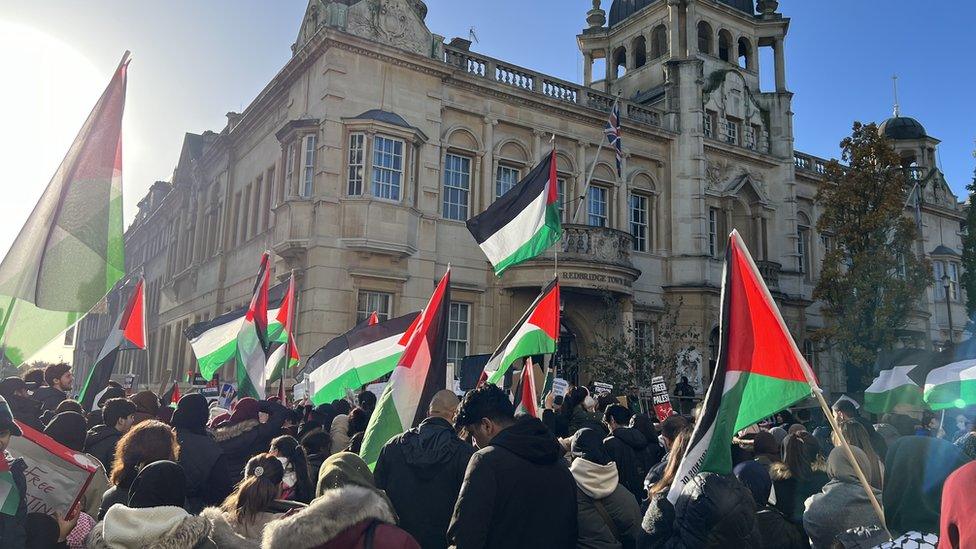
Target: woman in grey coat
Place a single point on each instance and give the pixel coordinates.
(608, 515)
(842, 504)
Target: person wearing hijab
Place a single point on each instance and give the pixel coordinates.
(607, 513)
(70, 429)
(147, 406)
(916, 469)
(243, 435)
(339, 431)
(154, 515)
(958, 523)
(347, 511)
(208, 477)
(801, 474)
(776, 532)
(843, 503)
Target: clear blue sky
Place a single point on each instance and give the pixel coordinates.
(195, 60)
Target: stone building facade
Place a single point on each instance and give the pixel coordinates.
(360, 160)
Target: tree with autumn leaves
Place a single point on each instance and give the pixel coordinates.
(872, 278)
(968, 278)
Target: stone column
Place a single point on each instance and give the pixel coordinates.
(587, 68)
(487, 166)
(757, 222)
(674, 33)
(691, 29)
(623, 212)
(780, 65)
(582, 172)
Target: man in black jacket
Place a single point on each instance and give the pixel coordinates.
(25, 408)
(117, 415)
(627, 448)
(422, 470)
(517, 491)
(59, 380)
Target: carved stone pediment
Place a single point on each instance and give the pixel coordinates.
(725, 179)
(392, 22)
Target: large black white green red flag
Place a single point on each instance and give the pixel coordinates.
(522, 223)
(128, 332)
(759, 371)
(419, 374)
(283, 352)
(252, 340)
(69, 252)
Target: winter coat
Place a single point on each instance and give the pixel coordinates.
(556, 422)
(154, 528)
(249, 532)
(26, 410)
(842, 504)
(627, 448)
(580, 418)
(913, 500)
(315, 465)
(777, 532)
(112, 496)
(599, 493)
(96, 489)
(712, 511)
(100, 444)
(521, 464)
(792, 492)
(13, 528)
(341, 518)
(429, 460)
(49, 397)
(243, 440)
(224, 533)
(208, 478)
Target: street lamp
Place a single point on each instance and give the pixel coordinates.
(946, 282)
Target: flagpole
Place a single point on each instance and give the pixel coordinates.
(818, 393)
(589, 178)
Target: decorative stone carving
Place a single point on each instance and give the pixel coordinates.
(767, 7)
(717, 172)
(393, 22)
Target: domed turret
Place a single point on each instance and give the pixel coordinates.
(902, 127)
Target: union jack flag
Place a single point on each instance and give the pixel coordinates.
(612, 132)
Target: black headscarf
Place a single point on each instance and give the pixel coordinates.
(192, 413)
(756, 479)
(69, 429)
(916, 468)
(161, 483)
(588, 445)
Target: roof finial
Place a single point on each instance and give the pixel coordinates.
(894, 84)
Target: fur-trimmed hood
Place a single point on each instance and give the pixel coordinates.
(227, 432)
(148, 528)
(223, 533)
(328, 515)
(779, 471)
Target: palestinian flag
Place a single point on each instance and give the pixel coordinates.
(528, 401)
(900, 380)
(69, 252)
(420, 372)
(9, 494)
(214, 342)
(128, 332)
(952, 385)
(759, 371)
(523, 222)
(284, 352)
(172, 396)
(534, 334)
(365, 353)
(252, 340)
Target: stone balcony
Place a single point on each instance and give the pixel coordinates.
(590, 258)
(508, 74)
(770, 272)
(293, 230)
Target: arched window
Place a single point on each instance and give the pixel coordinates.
(725, 45)
(639, 49)
(704, 37)
(659, 41)
(619, 62)
(745, 53)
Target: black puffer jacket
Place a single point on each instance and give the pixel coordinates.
(100, 443)
(244, 440)
(49, 397)
(627, 448)
(208, 479)
(26, 410)
(517, 493)
(713, 511)
(428, 460)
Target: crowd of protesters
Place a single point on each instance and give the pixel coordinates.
(590, 473)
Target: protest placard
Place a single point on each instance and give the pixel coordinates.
(559, 387)
(56, 475)
(660, 398)
(600, 387)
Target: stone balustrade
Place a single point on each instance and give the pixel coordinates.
(770, 272)
(596, 244)
(508, 74)
(809, 163)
